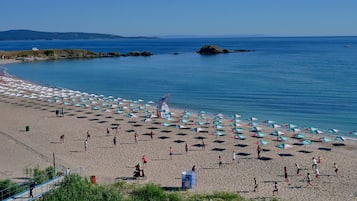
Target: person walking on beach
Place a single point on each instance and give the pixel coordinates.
(108, 131)
(194, 168)
(186, 148)
(62, 112)
(297, 169)
(117, 130)
(151, 135)
(286, 174)
(115, 140)
(171, 153)
(276, 190)
(314, 163)
(335, 168)
(136, 138)
(203, 145)
(145, 160)
(317, 172)
(62, 138)
(220, 161)
(308, 178)
(85, 145)
(259, 149)
(234, 156)
(255, 185)
(88, 135)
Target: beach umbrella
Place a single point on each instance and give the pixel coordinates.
(295, 129)
(306, 142)
(235, 125)
(332, 130)
(255, 129)
(282, 138)
(339, 138)
(219, 127)
(219, 133)
(236, 116)
(269, 121)
(183, 120)
(353, 133)
(259, 135)
(274, 125)
(299, 136)
(236, 120)
(313, 130)
(263, 142)
(197, 130)
(237, 130)
(181, 126)
(283, 146)
(239, 136)
(252, 119)
(324, 139)
(276, 133)
(165, 124)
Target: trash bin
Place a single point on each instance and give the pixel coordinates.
(93, 179)
(27, 128)
(188, 179)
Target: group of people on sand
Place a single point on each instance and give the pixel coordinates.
(59, 113)
(308, 178)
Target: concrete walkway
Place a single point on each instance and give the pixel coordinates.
(38, 191)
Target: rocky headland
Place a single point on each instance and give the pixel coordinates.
(54, 54)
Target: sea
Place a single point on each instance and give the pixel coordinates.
(306, 81)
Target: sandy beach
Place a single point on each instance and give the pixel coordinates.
(111, 163)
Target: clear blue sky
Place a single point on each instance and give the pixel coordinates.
(183, 17)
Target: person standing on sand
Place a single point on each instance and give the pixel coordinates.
(186, 148)
(317, 172)
(88, 135)
(171, 153)
(259, 149)
(151, 135)
(194, 168)
(136, 138)
(220, 161)
(286, 174)
(108, 131)
(314, 163)
(115, 140)
(335, 168)
(276, 190)
(203, 145)
(85, 145)
(255, 185)
(62, 112)
(234, 156)
(297, 169)
(117, 130)
(308, 178)
(145, 160)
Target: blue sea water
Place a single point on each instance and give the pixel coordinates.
(308, 81)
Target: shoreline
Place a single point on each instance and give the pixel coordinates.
(113, 163)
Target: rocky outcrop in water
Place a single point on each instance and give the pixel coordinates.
(213, 49)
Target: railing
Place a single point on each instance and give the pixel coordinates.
(21, 191)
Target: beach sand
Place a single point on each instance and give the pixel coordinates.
(21, 149)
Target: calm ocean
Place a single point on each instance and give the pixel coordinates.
(308, 81)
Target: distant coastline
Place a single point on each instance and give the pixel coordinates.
(54, 54)
(40, 35)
